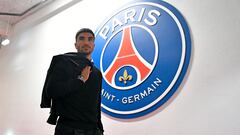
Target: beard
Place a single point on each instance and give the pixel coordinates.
(85, 50)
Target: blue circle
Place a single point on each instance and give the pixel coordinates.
(174, 50)
(126, 76)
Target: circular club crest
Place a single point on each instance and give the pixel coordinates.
(143, 52)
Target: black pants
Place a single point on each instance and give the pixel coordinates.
(65, 130)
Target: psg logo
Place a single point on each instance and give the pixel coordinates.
(143, 51)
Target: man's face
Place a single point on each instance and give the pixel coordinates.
(85, 43)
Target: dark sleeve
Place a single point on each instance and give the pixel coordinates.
(100, 125)
(46, 100)
(61, 82)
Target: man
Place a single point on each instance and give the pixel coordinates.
(73, 90)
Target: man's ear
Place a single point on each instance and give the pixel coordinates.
(75, 44)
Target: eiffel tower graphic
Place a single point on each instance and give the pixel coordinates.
(127, 55)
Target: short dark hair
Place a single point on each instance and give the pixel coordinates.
(84, 30)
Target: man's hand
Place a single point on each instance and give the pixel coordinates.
(85, 73)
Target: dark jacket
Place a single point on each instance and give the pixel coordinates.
(63, 92)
